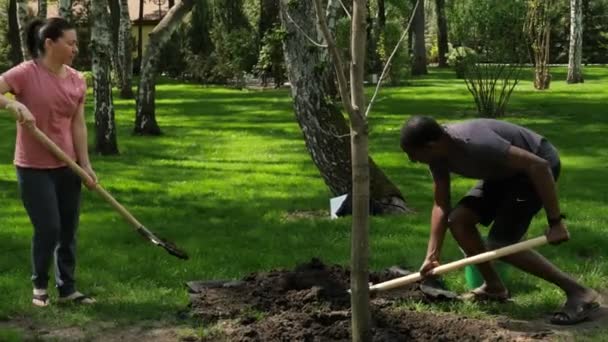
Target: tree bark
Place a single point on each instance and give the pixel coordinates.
(361, 317)
(324, 127)
(418, 48)
(575, 70)
(65, 9)
(145, 118)
(22, 23)
(125, 56)
(13, 33)
(42, 9)
(269, 16)
(101, 47)
(538, 28)
(114, 6)
(140, 34)
(442, 33)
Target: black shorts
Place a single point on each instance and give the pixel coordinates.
(510, 204)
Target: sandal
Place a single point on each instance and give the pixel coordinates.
(77, 298)
(40, 298)
(482, 296)
(569, 316)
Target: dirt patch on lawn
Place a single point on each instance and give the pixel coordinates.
(311, 303)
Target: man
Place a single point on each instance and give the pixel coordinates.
(517, 170)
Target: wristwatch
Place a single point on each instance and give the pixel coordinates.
(556, 220)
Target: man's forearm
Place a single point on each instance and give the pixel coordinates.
(543, 181)
(438, 228)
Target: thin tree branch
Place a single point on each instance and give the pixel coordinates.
(346, 10)
(390, 59)
(337, 58)
(304, 33)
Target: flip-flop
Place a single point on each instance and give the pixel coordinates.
(40, 300)
(481, 296)
(568, 316)
(77, 298)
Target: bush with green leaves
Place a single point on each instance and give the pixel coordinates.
(461, 59)
(399, 70)
(270, 60)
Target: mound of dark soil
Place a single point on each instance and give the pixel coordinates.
(311, 303)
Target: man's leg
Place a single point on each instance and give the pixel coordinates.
(510, 225)
(462, 223)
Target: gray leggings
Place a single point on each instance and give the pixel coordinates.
(51, 198)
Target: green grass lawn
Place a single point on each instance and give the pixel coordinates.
(231, 164)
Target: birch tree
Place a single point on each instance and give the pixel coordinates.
(575, 69)
(101, 49)
(145, 118)
(125, 57)
(22, 15)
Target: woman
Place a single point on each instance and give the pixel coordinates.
(50, 94)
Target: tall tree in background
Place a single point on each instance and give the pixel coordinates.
(22, 17)
(575, 69)
(42, 9)
(125, 56)
(13, 35)
(140, 33)
(442, 33)
(323, 126)
(65, 9)
(145, 117)
(418, 43)
(538, 29)
(101, 48)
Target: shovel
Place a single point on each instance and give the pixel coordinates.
(51, 146)
(472, 260)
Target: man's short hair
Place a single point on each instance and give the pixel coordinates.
(418, 131)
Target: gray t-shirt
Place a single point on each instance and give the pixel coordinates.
(481, 149)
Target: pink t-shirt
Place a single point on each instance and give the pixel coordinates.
(54, 102)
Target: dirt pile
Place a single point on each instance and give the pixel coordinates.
(311, 303)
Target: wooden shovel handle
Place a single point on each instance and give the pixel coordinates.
(476, 259)
(58, 152)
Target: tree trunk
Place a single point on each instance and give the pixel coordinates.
(575, 72)
(101, 47)
(418, 48)
(22, 23)
(65, 9)
(442, 33)
(361, 318)
(13, 33)
(538, 29)
(324, 127)
(145, 118)
(331, 88)
(140, 35)
(114, 6)
(171, 3)
(125, 56)
(269, 16)
(381, 16)
(42, 9)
